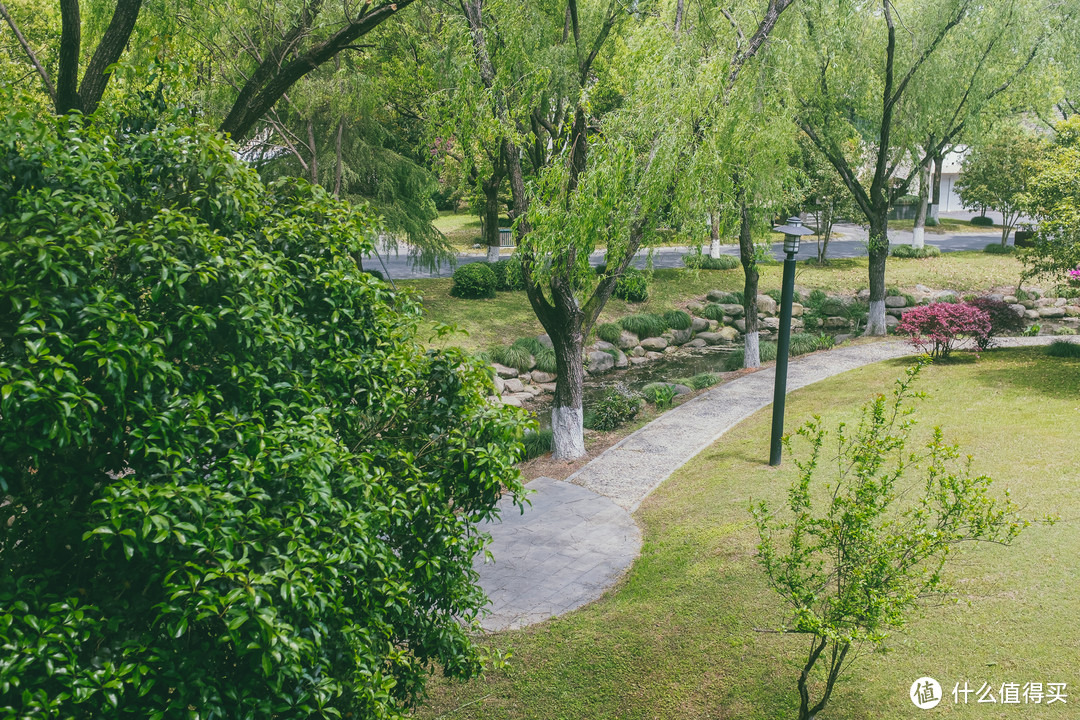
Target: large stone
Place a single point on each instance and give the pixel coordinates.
(836, 322)
(548, 387)
(621, 361)
(1018, 309)
(545, 341)
(638, 360)
(500, 384)
(1028, 304)
(681, 389)
(891, 321)
(513, 385)
(920, 288)
(681, 337)
(1031, 314)
(766, 305)
(734, 309)
(998, 297)
(696, 343)
(655, 344)
(602, 345)
(653, 355)
(638, 351)
(699, 324)
(1072, 310)
(1051, 312)
(1044, 302)
(711, 338)
(695, 308)
(740, 324)
(771, 323)
(1010, 299)
(895, 301)
(627, 340)
(895, 312)
(716, 295)
(511, 400)
(797, 310)
(540, 377)
(671, 349)
(864, 294)
(505, 372)
(599, 362)
(943, 295)
(1060, 302)
(728, 333)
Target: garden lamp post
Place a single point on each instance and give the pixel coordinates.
(793, 231)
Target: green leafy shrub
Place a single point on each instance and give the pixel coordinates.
(1065, 331)
(513, 356)
(999, 249)
(703, 380)
(982, 221)
(737, 358)
(203, 514)
(816, 298)
(508, 274)
(774, 294)
(472, 281)
(802, 343)
(609, 332)
(907, 251)
(632, 286)
(537, 443)
(644, 325)
(700, 261)
(375, 274)
(1064, 349)
(660, 394)
(678, 320)
(545, 360)
(713, 311)
(617, 406)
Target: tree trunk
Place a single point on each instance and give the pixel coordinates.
(879, 251)
(935, 205)
(752, 356)
(1006, 226)
(825, 221)
(714, 234)
(337, 157)
(567, 415)
(918, 232)
(313, 166)
(490, 223)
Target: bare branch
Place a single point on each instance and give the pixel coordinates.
(29, 53)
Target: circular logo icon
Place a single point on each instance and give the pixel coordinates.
(925, 693)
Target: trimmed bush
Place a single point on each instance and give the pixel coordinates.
(545, 360)
(513, 356)
(713, 311)
(936, 328)
(537, 443)
(632, 286)
(617, 406)
(700, 261)
(473, 281)
(766, 349)
(1003, 320)
(982, 221)
(508, 274)
(1064, 349)
(609, 332)
(203, 514)
(644, 325)
(677, 319)
(999, 249)
(906, 251)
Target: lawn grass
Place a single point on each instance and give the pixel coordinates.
(945, 225)
(462, 230)
(676, 638)
(508, 316)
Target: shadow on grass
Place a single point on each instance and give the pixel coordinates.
(1032, 370)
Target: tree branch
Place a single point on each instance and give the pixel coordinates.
(29, 53)
(67, 76)
(108, 52)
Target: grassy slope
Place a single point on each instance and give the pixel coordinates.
(676, 638)
(508, 316)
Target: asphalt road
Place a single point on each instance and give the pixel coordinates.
(849, 241)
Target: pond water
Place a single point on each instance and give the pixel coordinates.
(638, 376)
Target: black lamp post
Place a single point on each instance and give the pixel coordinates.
(793, 231)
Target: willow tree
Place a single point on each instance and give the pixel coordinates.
(868, 74)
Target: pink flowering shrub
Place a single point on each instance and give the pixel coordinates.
(936, 328)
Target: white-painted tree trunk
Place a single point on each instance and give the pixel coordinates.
(714, 235)
(918, 237)
(875, 323)
(752, 356)
(568, 434)
(493, 253)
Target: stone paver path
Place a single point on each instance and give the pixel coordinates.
(579, 537)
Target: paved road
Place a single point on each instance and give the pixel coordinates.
(850, 242)
(579, 537)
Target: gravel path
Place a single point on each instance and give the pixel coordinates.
(579, 536)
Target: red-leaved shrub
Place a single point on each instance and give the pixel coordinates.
(1003, 319)
(936, 328)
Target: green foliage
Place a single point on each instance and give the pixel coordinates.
(982, 221)
(732, 298)
(531, 344)
(204, 511)
(508, 274)
(816, 298)
(632, 286)
(774, 294)
(893, 292)
(700, 261)
(677, 319)
(474, 280)
(513, 356)
(1064, 349)
(999, 249)
(703, 380)
(1053, 198)
(609, 332)
(660, 394)
(853, 559)
(545, 360)
(802, 343)
(737, 358)
(537, 443)
(713, 311)
(644, 325)
(907, 251)
(616, 407)
(997, 172)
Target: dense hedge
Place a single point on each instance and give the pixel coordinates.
(231, 483)
(473, 281)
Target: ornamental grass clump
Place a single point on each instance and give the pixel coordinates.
(937, 329)
(609, 332)
(677, 319)
(644, 325)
